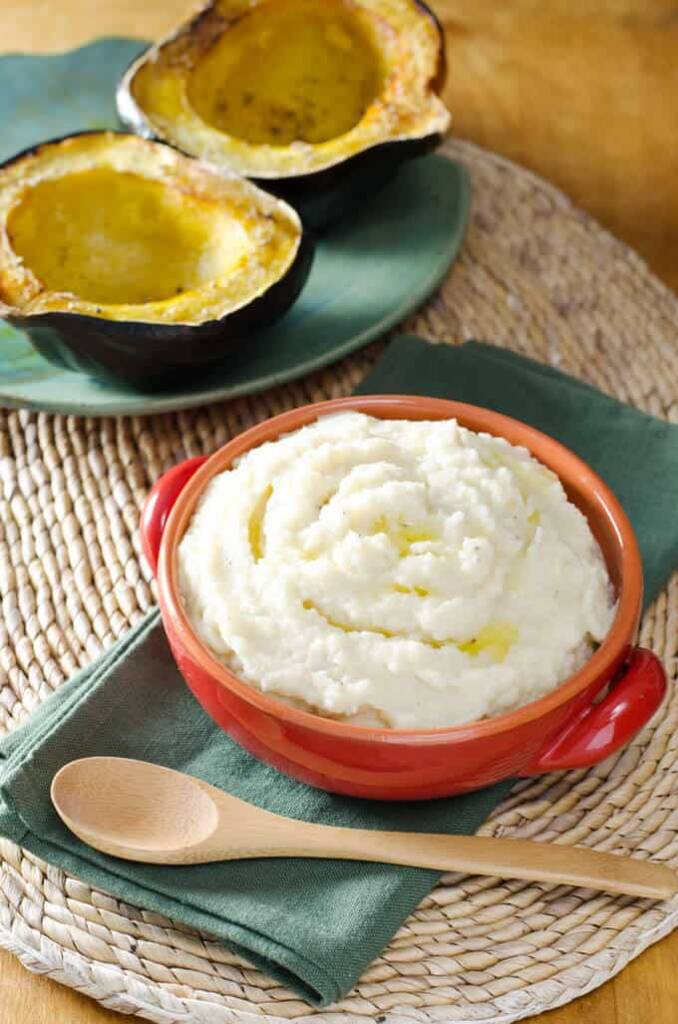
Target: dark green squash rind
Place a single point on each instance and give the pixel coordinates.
(322, 198)
(149, 355)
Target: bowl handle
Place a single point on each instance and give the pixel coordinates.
(159, 503)
(599, 730)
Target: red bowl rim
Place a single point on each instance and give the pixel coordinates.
(546, 449)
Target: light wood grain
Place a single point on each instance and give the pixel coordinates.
(582, 91)
(157, 815)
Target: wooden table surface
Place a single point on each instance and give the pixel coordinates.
(586, 93)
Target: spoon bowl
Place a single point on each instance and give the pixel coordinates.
(118, 808)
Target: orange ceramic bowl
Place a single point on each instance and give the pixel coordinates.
(571, 727)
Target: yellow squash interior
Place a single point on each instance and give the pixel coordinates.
(295, 70)
(119, 238)
(280, 88)
(119, 227)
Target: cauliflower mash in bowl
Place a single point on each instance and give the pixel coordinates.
(403, 574)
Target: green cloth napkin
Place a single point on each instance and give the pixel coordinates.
(315, 925)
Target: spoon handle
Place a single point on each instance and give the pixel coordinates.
(480, 855)
(158, 816)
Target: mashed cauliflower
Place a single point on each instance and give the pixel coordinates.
(394, 573)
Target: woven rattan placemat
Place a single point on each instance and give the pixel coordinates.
(535, 275)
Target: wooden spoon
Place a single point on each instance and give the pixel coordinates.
(143, 812)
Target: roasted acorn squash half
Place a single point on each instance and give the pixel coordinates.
(126, 259)
(316, 100)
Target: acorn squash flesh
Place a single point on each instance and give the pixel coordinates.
(148, 246)
(122, 239)
(324, 74)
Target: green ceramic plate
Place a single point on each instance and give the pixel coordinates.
(369, 273)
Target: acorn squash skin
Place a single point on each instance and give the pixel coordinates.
(157, 356)
(321, 196)
(148, 355)
(325, 197)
